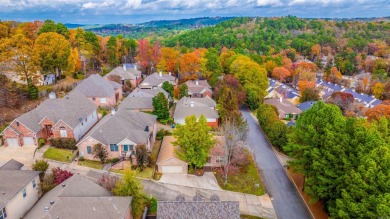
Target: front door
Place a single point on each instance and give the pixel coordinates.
(125, 147)
(48, 130)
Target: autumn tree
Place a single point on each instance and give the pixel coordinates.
(224, 60)
(381, 110)
(333, 75)
(100, 152)
(53, 51)
(232, 82)
(228, 107)
(315, 51)
(74, 63)
(194, 140)
(143, 156)
(378, 89)
(169, 60)
(189, 66)
(280, 73)
(148, 55)
(309, 94)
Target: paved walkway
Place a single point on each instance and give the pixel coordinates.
(207, 181)
(286, 199)
(22, 154)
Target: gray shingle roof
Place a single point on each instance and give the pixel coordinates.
(198, 209)
(96, 86)
(155, 79)
(12, 165)
(68, 109)
(200, 106)
(306, 105)
(12, 182)
(141, 98)
(80, 198)
(202, 86)
(128, 74)
(125, 124)
(138, 92)
(284, 106)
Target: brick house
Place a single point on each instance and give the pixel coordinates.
(68, 117)
(285, 109)
(120, 133)
(127, 73)
(197, 106)
(199, 88)
(101, 91)
(156, 80)
(142, 99)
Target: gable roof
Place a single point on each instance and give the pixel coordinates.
(306, 105)
(12, 182)
(195, 106)
(137, 103)
(201, 87)
(283, 107)
(125, 73)
(96, 86)
(80, 198)
(12, 165)
(138, 92)
(68, 109)
(157, 79)
(124, 124)
(198, 209)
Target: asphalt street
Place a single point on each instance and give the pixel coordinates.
(286, 199)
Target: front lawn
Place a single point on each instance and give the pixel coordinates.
(244, 180)
(59, 154)
(146, 173)
(91, 163)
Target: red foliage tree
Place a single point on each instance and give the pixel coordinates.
(60, 175)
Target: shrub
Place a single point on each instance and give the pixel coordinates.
(153, 206)
(40, 165)
(157, 176)
(81, 158)
(108, 182)
(41, 142)
(60, 175)
(66, 143)
(114, 160)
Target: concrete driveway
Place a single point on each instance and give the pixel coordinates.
(207, 181)
(22, 154)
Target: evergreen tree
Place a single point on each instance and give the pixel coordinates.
(161, 107)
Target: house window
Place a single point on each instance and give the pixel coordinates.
(63, 132)
(93, 98)
(113, 147)
(17, 124)
(102, 100)
(89, 150)
(3, 213)
(147, 129)
(131, 147)
(219, 159)
(24, 193)
(34, 184)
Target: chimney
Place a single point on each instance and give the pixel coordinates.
(124, 67)
(197, 82)
(135, 67)
(281, 99)
(192, 104)
(160, 73)
(169, 73)
(113, 111)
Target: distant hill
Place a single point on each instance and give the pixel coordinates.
(71, 26)
(154, 29)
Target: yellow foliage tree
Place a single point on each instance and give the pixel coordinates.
(378, 89)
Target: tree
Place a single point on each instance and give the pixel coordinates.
(381, 110)
(228, 107)
(74, 63)
(108, 182)
(112, 48)
(309, 94)
(168, 87)
(342, 100)
(253, 96)
(189, 66)
(51, 26)
(333, 75)
(42, 166)
(183, 91)
(60, 175)
(169, 60)
(234, 84)
(160, 107)
(100, 152)
(53, 51)
(280, 73)
(143, 156)
(212, 67)
(378, 90)
(194, 140)
(130, 186)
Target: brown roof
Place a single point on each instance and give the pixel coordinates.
(283, 106)
(167, 150)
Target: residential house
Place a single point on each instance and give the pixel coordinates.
(285, 108)
(197, 208)
(156, 80)
(128, 73)
(199, 88)
(19, 190)
(142, 99)
(80, 198)
(306, 105)
(196, 106)
(277, 90)
(101, 91)
(169, 162)
(120, 133)
(12, 165)
(68, 117)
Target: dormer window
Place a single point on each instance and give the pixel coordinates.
(17, 124)
(146, 128)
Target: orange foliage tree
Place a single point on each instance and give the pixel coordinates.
(169, 60)
(280, 73)
(379, 111)
(378, 89)
(334, 75)
(189, 66)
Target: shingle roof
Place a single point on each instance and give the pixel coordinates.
(284, 106)
(198, 209)
(167, 150)
(96, 86)
(124, 124)
(68, 109)
(201, 106)
(128, 74)
(12, 165)
(141, 98)
(12, 182)
(138, 92)
(201, 87)
(80, 198)
(306, 105)
(155, 79)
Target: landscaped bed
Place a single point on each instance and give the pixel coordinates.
(91, 163)
(59, 154)
(244, 180)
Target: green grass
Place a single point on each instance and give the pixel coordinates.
(243, 216)
(63, 155)
(146, 173)
(91, 163)
(244, 180)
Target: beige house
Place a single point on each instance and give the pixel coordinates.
(19, 188)
(168, 161)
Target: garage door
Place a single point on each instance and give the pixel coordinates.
(12, 142)
(172, 169)
(28, 141)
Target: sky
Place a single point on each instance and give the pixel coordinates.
(137, 11)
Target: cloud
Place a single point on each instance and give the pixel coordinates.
(264, 3)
